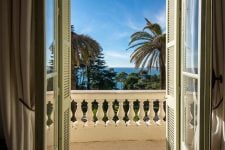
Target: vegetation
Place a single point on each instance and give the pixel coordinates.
(149, 49)
(138, 81)
(105, 79)
(121, 78)
(51, 67)
(83, 49)
(96, 75)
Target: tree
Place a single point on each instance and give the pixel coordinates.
(121, 78)
(51, 62)
(149, 49)
(83, 49)
(109, 79)
(131, 81)
(98, 76)
(95, 72)
(51, 67)
(142, 81)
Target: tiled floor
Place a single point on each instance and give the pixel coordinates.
(120, 145)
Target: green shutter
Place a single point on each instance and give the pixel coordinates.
(65, 73)
(172, 77)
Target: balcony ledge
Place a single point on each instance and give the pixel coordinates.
(116, 91)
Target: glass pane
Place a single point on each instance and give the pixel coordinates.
(51, 86)
(190, 113)
(190, 36)
(51, 113)
(50, 50)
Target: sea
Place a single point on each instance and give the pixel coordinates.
(129, 70)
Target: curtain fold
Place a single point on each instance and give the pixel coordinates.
(17, 88)
(218, 91)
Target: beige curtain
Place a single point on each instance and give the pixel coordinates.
(218, 91)
(17, 89)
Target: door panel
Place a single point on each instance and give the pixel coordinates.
(190, 57)
(172, 76)
(51, 100)
(194, 122)
(65, 74)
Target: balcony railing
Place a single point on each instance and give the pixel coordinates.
(116, 115)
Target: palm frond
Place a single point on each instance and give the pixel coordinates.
(136, 45)
(154, 28)
(141, 35)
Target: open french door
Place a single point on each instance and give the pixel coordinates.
(196, 49)
(189, 49)
(172, 75)
(52, 111)
(51, 75)
(64, 73)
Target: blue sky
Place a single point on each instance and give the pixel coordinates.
(111, 22)
(49, 24)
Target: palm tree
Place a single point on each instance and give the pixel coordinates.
(149, 49)
(83, 49)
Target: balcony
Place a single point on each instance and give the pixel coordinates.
(127, 120)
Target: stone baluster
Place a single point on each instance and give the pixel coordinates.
(189, 115)
(110, 114)
(152, 113)
(189, 118)
(121, 114)
(90, 121)
(49, 114)
(79, 115)
(161, 113)
(148, 113)
(141, 113)
(73, 110)
(100, 114)
(131, 113)
(164, 108)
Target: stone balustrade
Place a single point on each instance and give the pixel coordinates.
(117, 115)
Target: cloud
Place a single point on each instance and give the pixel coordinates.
(120, 35)
(133, 25)
(86, 30)
(115, 54)
(117, 58)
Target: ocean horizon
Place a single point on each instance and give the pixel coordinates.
(129, 70)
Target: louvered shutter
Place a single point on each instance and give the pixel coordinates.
(172, 83)
(65, 73)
